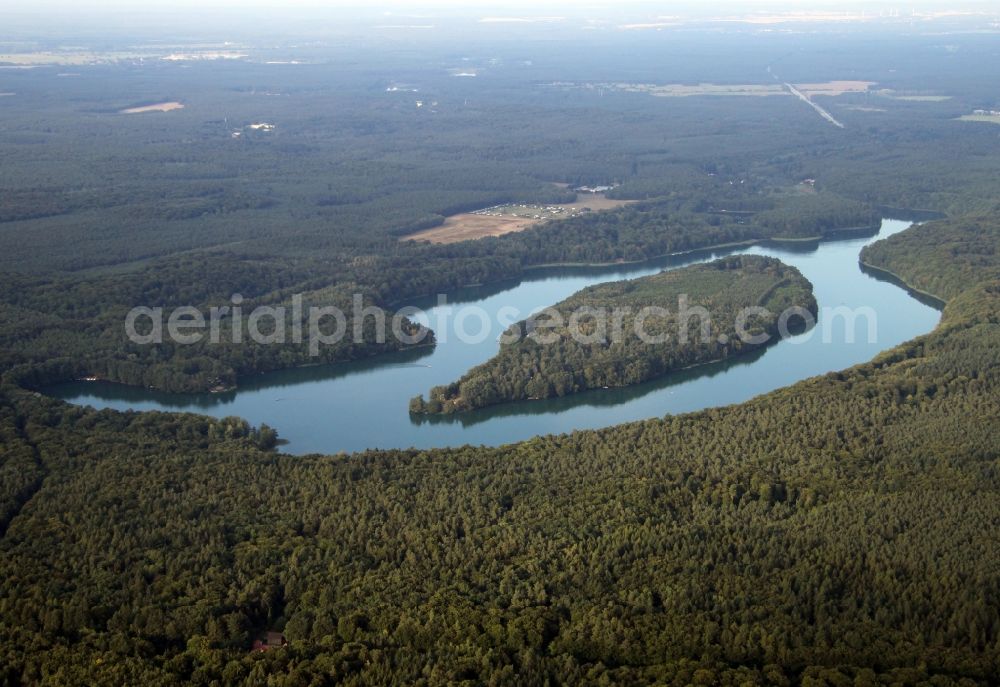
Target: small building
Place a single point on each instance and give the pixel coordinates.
(271, 640)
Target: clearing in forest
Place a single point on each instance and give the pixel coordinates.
(510, 218)
(831, 88)
(156, 107)
(993, 118)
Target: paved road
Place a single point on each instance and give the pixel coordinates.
(823, 113)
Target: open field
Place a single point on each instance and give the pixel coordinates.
(77, 58)
(993, 119)
(468, 227)
(913, 97)
(156, 107)
(685, 90)
(831, 88)
(835, 88)
(922, 98)
(40, 59)
(509, 219)
(796, 17)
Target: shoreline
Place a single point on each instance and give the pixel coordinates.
(833, 236)
(218, 390)
(902, 282)
(733, 244)
(717, 246)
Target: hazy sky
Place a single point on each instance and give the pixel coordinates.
(30, 19)
(660, 6)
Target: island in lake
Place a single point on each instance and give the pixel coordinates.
(628, 332)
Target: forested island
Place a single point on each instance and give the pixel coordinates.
(592, 339)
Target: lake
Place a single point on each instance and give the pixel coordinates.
(361, 405)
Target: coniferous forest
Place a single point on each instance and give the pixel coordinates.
(839, 531)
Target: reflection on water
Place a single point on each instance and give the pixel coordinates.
(145, 399)
(594, 398)
(889, 278)
(364, 404)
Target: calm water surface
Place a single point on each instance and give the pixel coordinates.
(354, 406)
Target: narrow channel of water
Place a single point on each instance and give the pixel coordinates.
(354, 406)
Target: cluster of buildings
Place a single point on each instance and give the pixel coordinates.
(526, 211)
(270, 640)
(257, 126)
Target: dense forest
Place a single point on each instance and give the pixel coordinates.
(941, 258)
(840, 531)
(592, 339)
